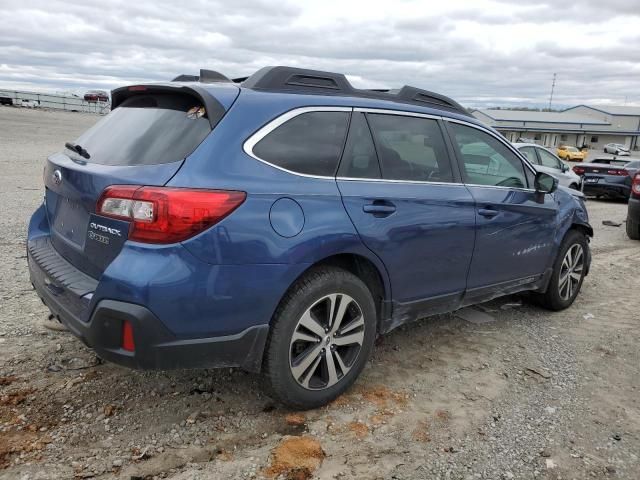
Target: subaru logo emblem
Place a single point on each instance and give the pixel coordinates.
(57, 177)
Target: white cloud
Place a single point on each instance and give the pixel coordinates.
(481, 52)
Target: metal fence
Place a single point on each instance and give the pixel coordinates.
(56, 101)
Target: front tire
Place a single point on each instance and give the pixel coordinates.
(568, 273)
(321, 337)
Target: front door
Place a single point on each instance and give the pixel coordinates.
(515, 224)
(409, 208)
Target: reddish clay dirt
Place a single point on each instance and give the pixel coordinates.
(296, 458)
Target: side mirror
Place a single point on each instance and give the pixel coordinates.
(565, 167)
(545, 183)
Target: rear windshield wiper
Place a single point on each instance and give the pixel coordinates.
(78, 149)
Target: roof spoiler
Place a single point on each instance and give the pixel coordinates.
(206, 76)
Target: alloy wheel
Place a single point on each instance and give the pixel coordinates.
(571, 271)
(326, 341)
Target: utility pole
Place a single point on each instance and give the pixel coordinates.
(553, 86)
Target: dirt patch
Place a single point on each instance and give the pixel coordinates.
(19, 442)
(16, 398)
(359, 429)
(296, 458)
(421, 432)
(442, 415)
(382, 396)
(7, 380)
(295, 419)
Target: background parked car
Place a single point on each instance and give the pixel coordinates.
(633, 211)
(96, 96)
(608, 177)
(616, 149)
(545, 161)
(571, 153)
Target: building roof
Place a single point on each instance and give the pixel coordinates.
(612, 109)
(540, 117)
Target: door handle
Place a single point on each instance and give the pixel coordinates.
(379, 208)
(488, 212)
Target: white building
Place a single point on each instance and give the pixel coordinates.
(578, 126)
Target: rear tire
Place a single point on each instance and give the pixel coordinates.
(568, 273)
(320, 339)
(633, 229)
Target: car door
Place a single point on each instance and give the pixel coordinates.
(515, 224)
(404, 196)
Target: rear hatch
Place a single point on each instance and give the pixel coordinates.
(143, 141)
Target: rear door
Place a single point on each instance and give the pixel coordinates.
(141, 142)
(515, 225)
(409, 208)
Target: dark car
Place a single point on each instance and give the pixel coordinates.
(633, 210)
(608, 177)
(96, 96)
(281, 223)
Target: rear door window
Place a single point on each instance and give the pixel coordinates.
(410, 148)
(147, 129)
(359, 159)
(310, 143)
(485, 160)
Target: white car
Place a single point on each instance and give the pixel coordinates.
(616, 149)
(545, 161)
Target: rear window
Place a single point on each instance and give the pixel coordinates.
(147, 129)
(310, 143)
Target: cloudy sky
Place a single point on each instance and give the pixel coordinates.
(480, 52)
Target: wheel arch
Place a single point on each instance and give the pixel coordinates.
(370, 271)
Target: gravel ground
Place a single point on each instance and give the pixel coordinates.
(529, 395)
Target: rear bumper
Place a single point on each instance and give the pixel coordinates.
(61, 288)
(619, 190)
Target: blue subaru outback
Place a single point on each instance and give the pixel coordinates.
(278, 223)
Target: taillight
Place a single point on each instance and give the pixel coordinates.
(578, 170)
(164, 214)
(617, 171)
(635, 186)
(127, 337)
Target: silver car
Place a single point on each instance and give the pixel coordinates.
(616, 149)
(545, 161)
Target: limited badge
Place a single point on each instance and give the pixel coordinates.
(196, 112)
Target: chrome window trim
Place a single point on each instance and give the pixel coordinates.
(388, 180)
(270, 126)
(396, 112)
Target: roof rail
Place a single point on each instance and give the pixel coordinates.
(299, 80)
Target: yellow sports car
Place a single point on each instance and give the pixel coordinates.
(571, 153)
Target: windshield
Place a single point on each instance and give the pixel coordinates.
(147, 129)
(572, 149)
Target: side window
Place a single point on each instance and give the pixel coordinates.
(486, 160)
(310, 143)
(549, 160)
(530, 154)
(359, 159)
(410, 148)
